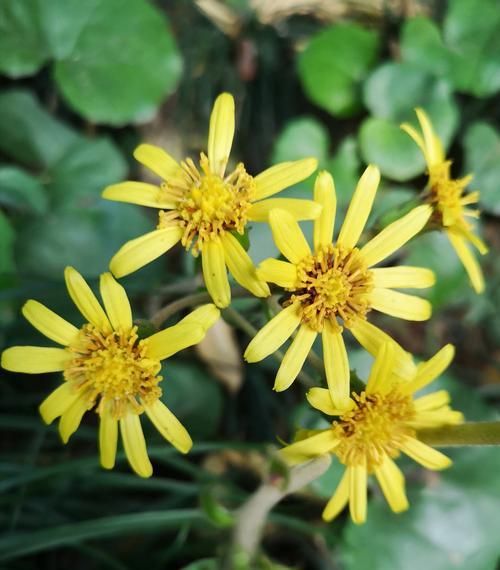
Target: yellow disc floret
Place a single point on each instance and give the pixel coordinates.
(113, 371)
(332, 284)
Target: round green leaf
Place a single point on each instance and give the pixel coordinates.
(333, 65)
(301, 138)
(482, 148)
(20, 190)
(122, 64)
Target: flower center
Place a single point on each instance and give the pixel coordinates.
(113, 371)
(373, 428)
(332, 284)
(210, 205)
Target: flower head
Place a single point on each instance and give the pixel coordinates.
(335, 286)
(108, 368)
(375, 427)
(450, 203)
(202, 207)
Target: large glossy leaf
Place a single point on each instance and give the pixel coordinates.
(21, 191)
(6, 244)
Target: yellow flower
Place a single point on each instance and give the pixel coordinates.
(335, 286)
(446, 195)
(107, 368)
(202, 209)
(376, 426)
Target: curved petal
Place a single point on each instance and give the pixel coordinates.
(283, 175)
(339, 499)
(392, 483)
(321, 399)
(324, 194)
(35, 359)
(468, 260)
(336, 366)
(294, 358)
(108, 440)
(391, 238)
(360, 207)
(241, 266)
(116, 303)
(357, 493)
(206, 316)
(288, 236)
(276, 271)
(310, 447)
(432, 401)
(169, 426)
(272, 335)
(49, 323)
(380, 379)
(71, 418)
(139, 193)
(434, 149)
(159, 162)
(417, 137)
(58, 401)
(221, 133)
(403, 277)
(425, 455)
(85, 300)
(428, 371)
(167, 342)
(142, 250)
(400, 305)
(215, 273)
(299, 209)
(135, 445)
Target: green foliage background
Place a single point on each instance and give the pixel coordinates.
(81, 84)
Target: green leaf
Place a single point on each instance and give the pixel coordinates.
(20, 190)
(114, 65)
(22, 45)
(333, 65)
(7, 243)
(345, 168)
(482, 148)
(301, 137)
(391, 93)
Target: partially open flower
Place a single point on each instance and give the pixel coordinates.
(375, 427)
(107, 368)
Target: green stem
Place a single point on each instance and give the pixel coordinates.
(471, 433)
(183, 303)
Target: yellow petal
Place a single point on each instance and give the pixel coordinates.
(468, 260)
(167, 342)
(321, 399)
(403, 277)
(169, 426)
(215, 273)
(159, 162)
(294, 358)
(49, 323)
(221, 133)
(283, 175)
(324, 194)
(282, 273)
(432, 401)
(372, 339)
(339, 499)
(428, 371)
(241, 266)
(392, 483)
(336, 366)
(135, 445)
(425, 455)
(116, 303)
(391, 238)
(381, 372)
(357, 493)
(206, 316)
(57, 402)
(360, 207)
(71, 418)
(142, 250)
(436, 418)
(139, 193)
(400, 305)
(35, 359)
(417, 137)
(108, 439)
(310, 447)
(288, 236)
(434, 150)
(297, 208)
(85, 300)
(272, 335)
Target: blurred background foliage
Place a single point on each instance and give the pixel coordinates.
(81, 84)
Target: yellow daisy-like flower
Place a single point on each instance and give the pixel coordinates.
(202, 208)
(376, 426)
(107, 368)
(335, 286)
(450, 204)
